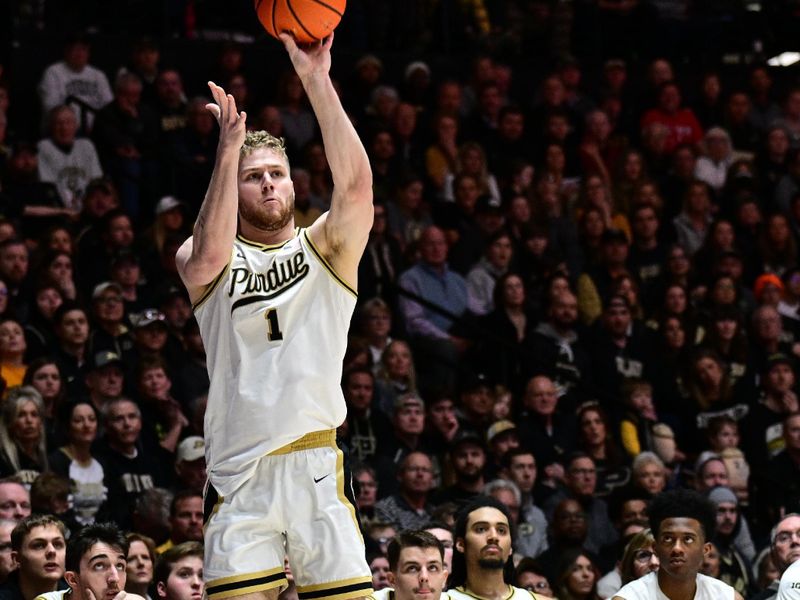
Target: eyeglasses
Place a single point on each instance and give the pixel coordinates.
(538, 586)
(415, 469)
(583, 471)
(643, 556)
(784, 537)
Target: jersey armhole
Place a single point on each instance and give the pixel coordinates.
(327, 265)
(213, 285)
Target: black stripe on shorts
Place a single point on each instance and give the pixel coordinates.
(335, 591)
(212, 590)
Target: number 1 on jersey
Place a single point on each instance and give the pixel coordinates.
(273, 328)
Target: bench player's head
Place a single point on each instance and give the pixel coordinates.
(416, 563)
(97, 562)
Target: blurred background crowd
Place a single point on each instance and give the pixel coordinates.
(581, 287)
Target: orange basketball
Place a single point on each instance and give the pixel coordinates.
(307, 20)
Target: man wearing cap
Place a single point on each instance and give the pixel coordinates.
(781, 485)
(111, 333)
(619, 351)
(190, 463)
(410, 507)
(476, 402)
(784, 550)
(501, 437)
(104, 379)
(709, 472)
(409, 425)
(150, 334)
(185, 519)
(594, 285)
(733, 541)
(468, 456)
(763, 429)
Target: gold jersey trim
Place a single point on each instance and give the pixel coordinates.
(267, 247)
(327, 265)
(213, 285)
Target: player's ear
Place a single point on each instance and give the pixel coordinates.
(161, 589)
(460, 545)
(72, 580)
(390, 577)
(706, 549)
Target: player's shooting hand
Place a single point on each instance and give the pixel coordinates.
(309, 59)
(232, 124)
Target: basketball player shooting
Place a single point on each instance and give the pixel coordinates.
(274, 305)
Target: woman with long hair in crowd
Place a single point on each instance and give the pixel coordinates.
(141, 562)
(631, 173)
(75, 461)
(595, 194)
(510, 324)
(721, 239)
(596, 438)
(23, 443)
(639, 557)
(472, 161)
(725, 335)
(576, 577)
(396, 375)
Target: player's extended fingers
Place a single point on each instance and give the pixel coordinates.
(328, 42)
(233, 114)
(218, 95)
(214, 110)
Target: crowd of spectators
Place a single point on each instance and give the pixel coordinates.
(581, 287)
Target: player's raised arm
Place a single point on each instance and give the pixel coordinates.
(204, 255)
(345, 229)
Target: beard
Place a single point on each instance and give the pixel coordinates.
(265, 222)
(491, 563)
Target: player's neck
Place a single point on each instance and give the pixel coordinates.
(677, 589)
(268, 238)
(487, 583)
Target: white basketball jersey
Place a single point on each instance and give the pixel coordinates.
(514, 593)
(274, 324)
(646, 588)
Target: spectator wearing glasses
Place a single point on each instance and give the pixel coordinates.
(784, 549)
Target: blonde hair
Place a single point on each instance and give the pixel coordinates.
(253, 140)
(18, 396)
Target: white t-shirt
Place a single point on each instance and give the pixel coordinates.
(646, 588)
(70, 171)
(789, 588)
